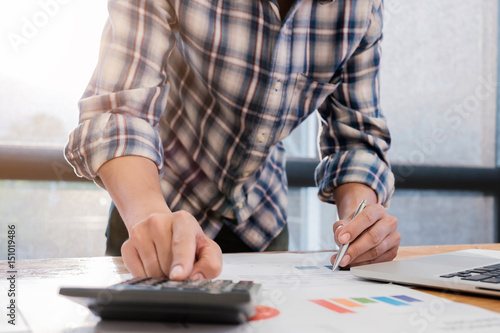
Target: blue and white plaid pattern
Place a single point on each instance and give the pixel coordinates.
(207, 89)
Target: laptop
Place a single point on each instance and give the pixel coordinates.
(471, 271)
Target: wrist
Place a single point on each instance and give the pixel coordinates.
(142, 209)
(348, 196)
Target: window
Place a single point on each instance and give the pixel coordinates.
(439, 95)
(49, 49)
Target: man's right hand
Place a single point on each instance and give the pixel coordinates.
(171, 245)
(161, 242)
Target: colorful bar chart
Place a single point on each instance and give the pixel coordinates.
(347, 302)
(331, 306)
(349, 305)
(306, 267)
(390, 301)
(363, 300)
(407, 298)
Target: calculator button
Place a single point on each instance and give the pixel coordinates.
(243, 285)
(133, 281)
(217, 285)
(150, 282)
(197, 284)
(172, 284)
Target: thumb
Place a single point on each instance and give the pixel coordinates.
(209, 260)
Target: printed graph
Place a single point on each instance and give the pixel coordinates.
(350, 305)
(264, 312)
(306, 267)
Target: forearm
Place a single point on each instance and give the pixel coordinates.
(161, 243)
(354, 137)
(348, 196)
(133, 184)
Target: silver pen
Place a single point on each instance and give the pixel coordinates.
(343, 247)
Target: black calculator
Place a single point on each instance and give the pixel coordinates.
(203, 301)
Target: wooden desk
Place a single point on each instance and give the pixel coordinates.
(63, 268)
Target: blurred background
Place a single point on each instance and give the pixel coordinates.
(439, 94)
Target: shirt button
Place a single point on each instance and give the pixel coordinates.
(261, 137)
(240, 204)
(277, 86)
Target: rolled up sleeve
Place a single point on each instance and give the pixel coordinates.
(354, 137)
(122, 105)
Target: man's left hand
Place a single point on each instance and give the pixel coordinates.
(372, 234)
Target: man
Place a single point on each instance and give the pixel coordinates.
(183, 119)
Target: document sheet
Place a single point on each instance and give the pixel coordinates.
(300, 294)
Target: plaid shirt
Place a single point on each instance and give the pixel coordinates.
(208, 89)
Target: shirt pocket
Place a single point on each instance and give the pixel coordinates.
(307, 95)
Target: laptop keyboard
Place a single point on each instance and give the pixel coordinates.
(487, 274)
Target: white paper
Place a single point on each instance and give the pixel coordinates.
(291, 285)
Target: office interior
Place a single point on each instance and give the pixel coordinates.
(440, 95)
